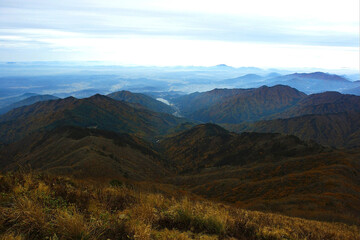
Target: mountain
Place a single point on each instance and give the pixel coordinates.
(322, 103)
(85, 93)
(273, 75)
(314, 76)
(142, 99)
(267, 172)
(355, 91)
(313, 82)
(246, 80)
(254, 104)
(27, 101)
(95, 112)
(251, 105)
(190, 103)
(337, 129)
(209, 145)
(353, 77)
(83, 152)
(6, 101)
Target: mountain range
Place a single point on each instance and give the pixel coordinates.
(6, 101)
(288, 152)
(97, 111)
(315, 82)
(27, 101)
(335, 129)
(249, 105)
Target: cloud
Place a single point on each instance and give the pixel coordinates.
(131, 30)
(117, 87)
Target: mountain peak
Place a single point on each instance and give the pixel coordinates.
(280, 87)
(321, 76)
(70, 98)
(222, 65)
(99, 97)
(203, 130)
(210, 127)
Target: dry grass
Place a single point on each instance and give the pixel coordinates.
(44, 207)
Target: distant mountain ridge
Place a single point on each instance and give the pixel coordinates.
(4, 102)
(318, 75)
(354, 91)
(248, 79)
(27, 101)
(315, 82)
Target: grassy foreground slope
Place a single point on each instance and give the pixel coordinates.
(37, 206)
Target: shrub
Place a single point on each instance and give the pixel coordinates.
(116, 183)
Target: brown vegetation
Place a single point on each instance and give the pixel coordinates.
(336, 129)
(38, 206)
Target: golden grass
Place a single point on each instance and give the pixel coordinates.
(45, 207)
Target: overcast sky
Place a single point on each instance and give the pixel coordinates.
(261, 33)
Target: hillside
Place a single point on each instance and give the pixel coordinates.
(252, 105)
(322, 103)
(209, 145)
(38, 206)
(27, 101)
(268, 172)
(142, 99)
(338, 129)
(95, 112)
(82, 152)
(190, 103)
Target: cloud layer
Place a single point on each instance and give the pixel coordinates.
(183, 32)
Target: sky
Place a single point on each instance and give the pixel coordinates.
(259, 33)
